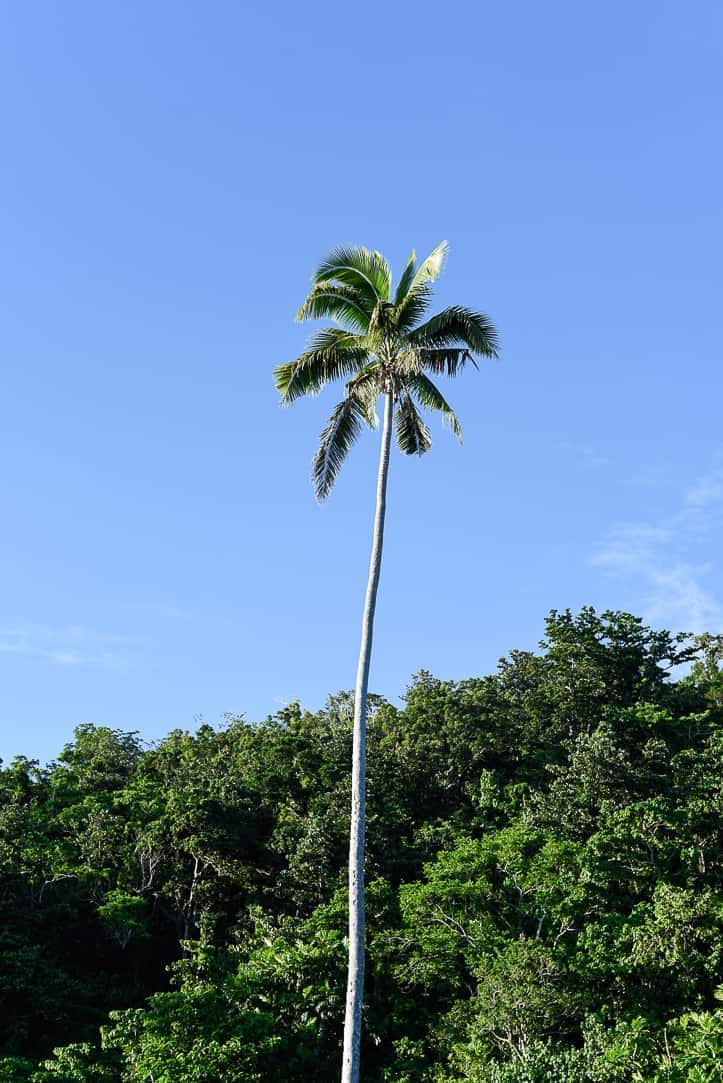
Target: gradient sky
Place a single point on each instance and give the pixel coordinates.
(171, 173)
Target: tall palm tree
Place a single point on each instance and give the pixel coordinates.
(380, 345)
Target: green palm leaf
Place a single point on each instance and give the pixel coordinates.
(431, 268)
(413, 308)
(429, 396)
(414, 293)
(308, 374)
(457, 325)
(368, 272)
(442, 362)
(406, 279)
(340, 301)
(328, 337)
(412, 434)
(343, 428)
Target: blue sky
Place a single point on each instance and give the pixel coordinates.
(171, 173)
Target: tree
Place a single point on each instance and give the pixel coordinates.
(380, 345)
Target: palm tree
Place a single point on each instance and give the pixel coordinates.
(381, 348)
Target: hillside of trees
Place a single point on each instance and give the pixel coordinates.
(543, 861)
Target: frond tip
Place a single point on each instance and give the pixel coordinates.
(432, 267)
(412, 434)
(343, 428)
(429, 396)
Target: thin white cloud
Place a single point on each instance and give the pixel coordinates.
(69, 645)
(678, 599)
(707, 492)
(661, 560)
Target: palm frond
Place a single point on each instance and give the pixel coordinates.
(310, 372)
(366, 271)
(457, 325)
(335, 337)
(365, 387)
(406, 278)
(428, 395)
(412, 434)
(343, 428)
(413, 308)
(442, 362)
(416, 298)
(340, 301)
(431, 268)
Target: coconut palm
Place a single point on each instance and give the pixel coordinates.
(382, 344)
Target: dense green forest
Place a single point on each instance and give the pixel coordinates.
(543, 861)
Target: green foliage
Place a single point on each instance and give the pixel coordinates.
(381, 348)
(544, 860)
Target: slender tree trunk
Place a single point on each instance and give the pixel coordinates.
(355, 982)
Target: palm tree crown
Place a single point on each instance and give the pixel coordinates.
(379, 344)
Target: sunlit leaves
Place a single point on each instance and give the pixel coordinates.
(458, 325)
(353, 286)
(406, 278)
(506, 945)
(367, 272)
(431, 268)
(349, 306)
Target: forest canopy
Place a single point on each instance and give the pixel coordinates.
(543, 866)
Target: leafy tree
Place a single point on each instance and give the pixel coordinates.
(544, 898)
(382, 347)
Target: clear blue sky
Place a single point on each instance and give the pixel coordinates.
(171, 172)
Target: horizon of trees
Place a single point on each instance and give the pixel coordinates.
(543, 861)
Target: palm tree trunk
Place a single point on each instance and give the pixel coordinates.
(355, 981)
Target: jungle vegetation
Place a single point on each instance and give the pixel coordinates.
(543, 865)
